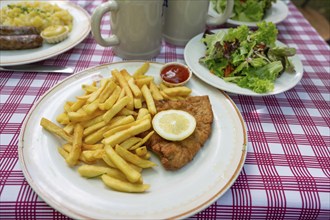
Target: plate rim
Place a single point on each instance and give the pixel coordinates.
(60, 51)
(71, 212)
(250, 92)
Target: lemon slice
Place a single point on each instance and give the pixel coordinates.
(174, 125)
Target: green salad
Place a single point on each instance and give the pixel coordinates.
(245, 10)
(248, 58)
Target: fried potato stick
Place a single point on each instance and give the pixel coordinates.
(108, 90)
(126, 74)
(92, 155)
(127, 112)
(123, 186)
(90, 171)
(142, 70)
(177, 91)
(97, 135)
(107, 160)
(144, 140)
(124, 84)
(69, 128)
(92, 146)
(77, 105)
(141, 151)
(120, 136)
(135, 89)
(63, 152)
(74, 154)
(142, 112)
(95, 127)
(63, 118)
(97, 93)
(111, 100)
(141, 81)
(133, 158)
(82, 116)
(155, 91)
(53, 128)
(92, 107)
(115, 109)
(131, 174)
(137, 103)
(149, 99)
(130, 142)
(89, 88)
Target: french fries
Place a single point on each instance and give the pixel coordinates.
(142, 70)
(53, 128)
(120, 136)
(177, 91)
(155, 91)
(123, 186)
(149, 100)
(133, 158)
(105, 129)
(74, 154)
(115, 109)
(124, 85)
(131, 174)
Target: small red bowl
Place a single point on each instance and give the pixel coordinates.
(175, 74)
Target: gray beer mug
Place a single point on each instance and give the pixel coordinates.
(186, 18)
(136, 27)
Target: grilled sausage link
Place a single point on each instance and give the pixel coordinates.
(12, 30)
(18, 42)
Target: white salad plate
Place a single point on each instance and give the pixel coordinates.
(80, 30)
(195, 49)
(173, 194)
(276, 14)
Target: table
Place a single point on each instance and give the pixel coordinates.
(286, 174)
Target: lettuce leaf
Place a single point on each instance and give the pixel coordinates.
(240, 33)
(260, 80)
(266, 33)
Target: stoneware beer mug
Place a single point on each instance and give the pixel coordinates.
(186, 18)
(136, 27)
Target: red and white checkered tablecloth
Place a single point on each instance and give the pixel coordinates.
(287, 170)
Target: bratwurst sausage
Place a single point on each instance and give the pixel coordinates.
(12, 30)
(18, 42)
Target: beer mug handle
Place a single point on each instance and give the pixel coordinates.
(221, 19)
(97, 15)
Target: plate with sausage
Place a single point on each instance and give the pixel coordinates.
(21, 43)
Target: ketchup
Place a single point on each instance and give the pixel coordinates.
(175, 73)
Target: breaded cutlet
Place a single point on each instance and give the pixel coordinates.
(176, 154)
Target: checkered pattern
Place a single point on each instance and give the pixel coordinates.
(286, 174)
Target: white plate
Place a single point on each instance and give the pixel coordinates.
(195, 49)
(80, 29)
(175, 194)
(277, 13)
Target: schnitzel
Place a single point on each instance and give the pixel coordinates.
(176, 154)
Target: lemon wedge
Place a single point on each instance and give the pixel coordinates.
(174, 125)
